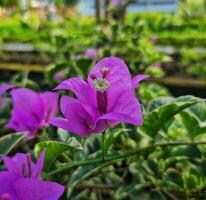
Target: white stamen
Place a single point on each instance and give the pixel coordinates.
(101, 84)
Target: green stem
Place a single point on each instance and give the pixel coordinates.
(103, 137)
(66, 157)
(44, 135)
(122, 156)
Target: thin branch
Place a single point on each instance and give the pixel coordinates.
(171, 196)
(97, 186)
(122, 156)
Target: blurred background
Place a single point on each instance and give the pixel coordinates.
(43, 42)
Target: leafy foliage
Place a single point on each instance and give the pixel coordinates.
(163, 114)
(54, 149)
(8, 142)
(163, 159)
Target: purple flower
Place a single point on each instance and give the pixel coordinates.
(31, 110)
(59, 76)
(91, 53)
(156, 65)
(153, 39)
(22, 180)
(106, 99)
(5, 87)
(116, 3)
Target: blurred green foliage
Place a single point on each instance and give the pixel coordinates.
(7, 3)
(65, 42)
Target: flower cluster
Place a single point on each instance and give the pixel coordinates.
(31, 110)
(106, 99)
(22, 180)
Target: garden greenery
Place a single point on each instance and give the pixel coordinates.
(164, 155)
(92, 126)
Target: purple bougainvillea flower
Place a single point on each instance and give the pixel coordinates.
(59, 76)
(153, 39)
(31, 110)
(5, 87)
(91, 53)
(156, 65)
(22, 180)
(116, 3)
(106, 99)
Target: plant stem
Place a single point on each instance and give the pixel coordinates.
(98, 186)
(122, 156)
(171, 196)
(44, 136)
(103, 135)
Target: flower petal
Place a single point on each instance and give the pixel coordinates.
(28, 111)
(137, 79)
(72, 108)
(5, 87)
(119, 77)
(30, 126)
(127, 104)
(77, 119)
(116, 118)
(39, 166)
(37, 190)
(6, 181)
(84, 93)
(50, 101)
(12, 165)
(15, 164)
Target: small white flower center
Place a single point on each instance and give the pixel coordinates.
(101, 84)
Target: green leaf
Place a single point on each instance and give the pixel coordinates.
(86, 171)
(159, 102)
(141, 169)
(63, 135)
(83, 65)
(73, 142)
(171, 178)
(190, 181)
(154, 167)
(52, 69)
(156, 119)
(54, 149)
(160, 195)
(8, 142)
(199, 110)
(92, 144)
(192, 124)
(188, 151)
(203, 167)
(111, 136)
